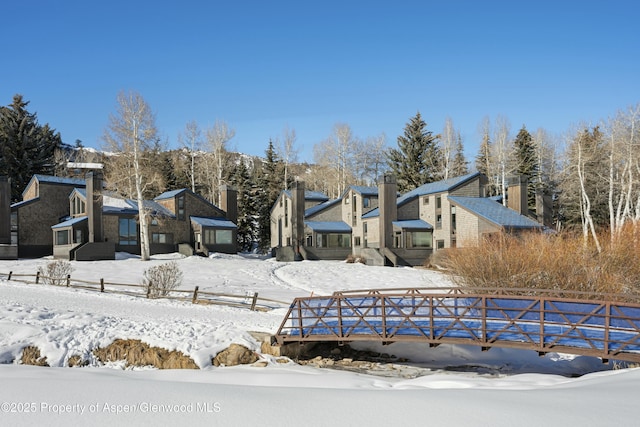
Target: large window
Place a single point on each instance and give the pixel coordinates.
(419, 239)
(218, 237)
(78, 207)
(62, 237)
(128, 230)
(333, 240)
(224, 237)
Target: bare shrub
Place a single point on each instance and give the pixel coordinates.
(76, 360)
(137, 353)
(559, 262)
(162, 279)
(437, 259)
(31, 356)
(56, 272)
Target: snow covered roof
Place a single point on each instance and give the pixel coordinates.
(24, 202)
(170, 194)
(69, 222)
(213, 222)
(116, 205)
(494, 212)
(328, 226)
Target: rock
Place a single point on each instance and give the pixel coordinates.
(235, 354)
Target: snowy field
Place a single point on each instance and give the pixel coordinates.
(459, 386)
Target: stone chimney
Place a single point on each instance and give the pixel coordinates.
(94, 206)
(297, 215)
(5, 211)
(229, 202)
(388, 207)
(517, 194)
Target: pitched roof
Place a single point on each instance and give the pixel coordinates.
(328, 226)
(81, 191)
(494, 212)
(170, 194)
(431, 188)
(213, 222)
(361, 189)
(54, 180)
(69, 222)
(417, 224)
(58, 180)
(443, 186)
(129, 206)
(309, 195)
(320, 207)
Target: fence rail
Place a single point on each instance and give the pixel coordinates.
(251, 300)
(605, 329)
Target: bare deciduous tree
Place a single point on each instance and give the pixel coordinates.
(337, 152)
(502, 153)
(624, 169)
(216, 159)
(449, 141)
(130, 134)
(288, 152)
(191, 141)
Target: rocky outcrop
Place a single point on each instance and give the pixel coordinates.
(235, 354)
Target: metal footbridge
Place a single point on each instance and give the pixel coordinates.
(573, 323)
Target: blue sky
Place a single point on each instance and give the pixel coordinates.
(307, 65)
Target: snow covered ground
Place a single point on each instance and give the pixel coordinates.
(463, 386)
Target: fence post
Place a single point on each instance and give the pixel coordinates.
(254, 301)
(68, 280)
(9, 277)
(101, 284)
(37, 277)
(149, 290)
(195, 295)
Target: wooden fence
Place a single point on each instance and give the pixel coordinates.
(250, 300)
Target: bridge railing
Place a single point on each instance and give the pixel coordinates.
(606, 329)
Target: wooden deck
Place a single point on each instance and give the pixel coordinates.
(545, 322)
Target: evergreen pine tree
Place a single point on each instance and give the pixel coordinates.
(459, 166)
(241, 179)
(26, 148)
(526, 163)
(269, 186)
(416, 160)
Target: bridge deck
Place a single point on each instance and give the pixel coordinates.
(606, 329)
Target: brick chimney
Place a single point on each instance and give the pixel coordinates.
(229, 202)
(94, 206)
(5, 211)
(388, 207)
